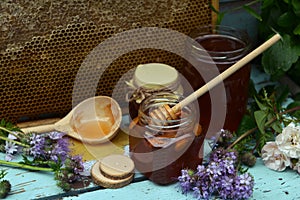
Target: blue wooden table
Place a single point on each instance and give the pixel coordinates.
(269, 184)
(41, 185)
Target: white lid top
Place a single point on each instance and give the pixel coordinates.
(152, 75)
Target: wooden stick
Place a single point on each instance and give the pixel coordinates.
(212, 83)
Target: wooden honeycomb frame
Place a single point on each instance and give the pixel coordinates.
(39, 65)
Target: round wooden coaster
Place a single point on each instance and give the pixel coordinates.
(103, 181)
(117, 166)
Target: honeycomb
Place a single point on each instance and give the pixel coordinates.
(43, 44)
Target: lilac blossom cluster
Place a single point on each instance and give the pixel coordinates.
(219, 177)
(47, 150)
(52, 146)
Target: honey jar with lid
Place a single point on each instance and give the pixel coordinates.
(160, 148)
(149, 79)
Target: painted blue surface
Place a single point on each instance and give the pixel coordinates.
(268, 185)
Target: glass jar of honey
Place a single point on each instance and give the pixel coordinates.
(219, 47)
(148, 79)
(161, 148)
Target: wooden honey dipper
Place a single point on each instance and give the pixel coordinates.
(166, 113)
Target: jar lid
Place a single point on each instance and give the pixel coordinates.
(154, 75)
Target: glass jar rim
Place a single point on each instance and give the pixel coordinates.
(226, 31)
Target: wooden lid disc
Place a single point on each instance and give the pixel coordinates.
(103, 181)
(116, 166)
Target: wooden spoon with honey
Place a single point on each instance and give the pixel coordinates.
(94, 120)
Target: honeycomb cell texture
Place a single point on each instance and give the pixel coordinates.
(43, 44)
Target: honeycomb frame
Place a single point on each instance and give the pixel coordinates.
(39, 59)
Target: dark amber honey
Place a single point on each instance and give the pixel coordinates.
(224, 51)
(181, 149)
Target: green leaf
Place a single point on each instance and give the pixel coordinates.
(246, 124)
(252, 12)
(277, 126)
(280, 56)
(25, 161)
(296, 47)
(287, 19)
(286, 1)
(263, 138)
(220, 17)
(267, 3)
(277, 75)
(260, 105)
(296, 31)
(213, 8)
(260, 119)
(296, 7)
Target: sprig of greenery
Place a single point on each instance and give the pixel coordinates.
(65, 171)
(284, 17)
(280, 16)
(7, 128)
(266, 117)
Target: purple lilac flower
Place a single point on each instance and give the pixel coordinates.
(225, 191)
(220, 177)
(220, 154)
(10, 148)
(78, 164)
(228, 167)
(185, 181)
(243, 186)
(201, 193)
(205, 183)
(55, 135)
(37, 143)
(60, 150)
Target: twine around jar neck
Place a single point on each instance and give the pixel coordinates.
(139, 93)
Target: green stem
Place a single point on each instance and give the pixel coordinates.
(242, 137)
(267, 124)
(9, 131)
(16, 142)
(16, 164)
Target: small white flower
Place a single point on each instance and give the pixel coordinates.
(274, 158)
(289, 141)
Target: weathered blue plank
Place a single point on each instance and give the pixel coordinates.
(268, 185)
